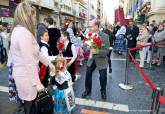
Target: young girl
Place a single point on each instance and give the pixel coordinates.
(45, 49)
(64, 88)
(70, 53)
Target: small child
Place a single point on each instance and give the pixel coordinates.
(45, 49)
(64, 90)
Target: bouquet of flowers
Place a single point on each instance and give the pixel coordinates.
(93, 40)
(60, 46)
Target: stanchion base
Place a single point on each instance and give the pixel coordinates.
(125, 86)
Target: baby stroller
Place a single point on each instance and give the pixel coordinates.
(120, 44)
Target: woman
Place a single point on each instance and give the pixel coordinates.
(26, 55)
(159, 36)
(149, 48)
(69, 29)
(70, 53)
(142, 39)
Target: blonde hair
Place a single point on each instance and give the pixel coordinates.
(23, 16)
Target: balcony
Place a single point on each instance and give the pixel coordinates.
(44, 3)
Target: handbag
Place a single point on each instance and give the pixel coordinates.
(44, 103)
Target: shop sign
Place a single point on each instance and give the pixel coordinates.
(4, 12)
(7, 20)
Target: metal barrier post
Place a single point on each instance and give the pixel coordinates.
(126, 85)
(155, 103)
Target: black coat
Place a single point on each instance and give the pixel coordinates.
(54, 35)
(110, 34)
(40, 27)
(132, 33)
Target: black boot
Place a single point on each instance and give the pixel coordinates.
(86, 94)
(103, 95)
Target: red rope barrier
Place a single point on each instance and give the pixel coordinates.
(145, 76)
(142, 46)
(162, 99)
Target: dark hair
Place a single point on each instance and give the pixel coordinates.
(97, 23)
(147, 23)
(66, 34)
(49, 20)
(42, 32)
(66, 24)
(152, 25)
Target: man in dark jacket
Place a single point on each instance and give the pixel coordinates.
(54, 35)
(115, 29)
(132, 34)
(111, 38)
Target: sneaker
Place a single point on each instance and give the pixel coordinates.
(86, 94)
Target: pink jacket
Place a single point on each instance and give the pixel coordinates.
(26, 55)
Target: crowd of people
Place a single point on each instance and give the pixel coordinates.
(140, 35)
(30, 51)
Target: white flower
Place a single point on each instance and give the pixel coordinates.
(89, 43)
(87, 36)
(93, 35)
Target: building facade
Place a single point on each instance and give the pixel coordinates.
(66, 11)
(79, 11)
(157, 11)
(145, 10)
(80, 8)
(7, 8)
(47, 8)
(43, 8)
(99, 9)
(91, 10)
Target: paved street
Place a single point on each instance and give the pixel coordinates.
(136, 101)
